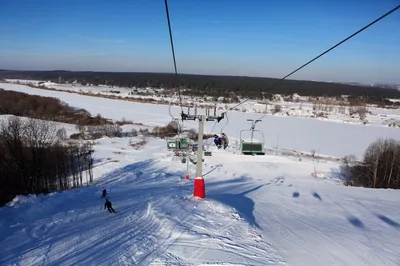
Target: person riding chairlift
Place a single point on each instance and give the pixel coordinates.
(225, 140)
(221, 141)
(217, 141)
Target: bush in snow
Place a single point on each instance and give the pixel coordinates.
(144, 132)
(112, 131)
(139, 144)
(170, 130)
(123, 122)
(277, 109)
(362, 112)
(134, 132)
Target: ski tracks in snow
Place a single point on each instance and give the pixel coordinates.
(157, 223)
(205, 230)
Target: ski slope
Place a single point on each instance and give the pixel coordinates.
(259, 210)
(291, 133)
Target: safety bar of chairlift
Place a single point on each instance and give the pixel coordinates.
(255, 130)
(190, 117)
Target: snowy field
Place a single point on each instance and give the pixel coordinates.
(258, 210)
(90, 88)
(292, 133)
(300, 106)
(263, 210)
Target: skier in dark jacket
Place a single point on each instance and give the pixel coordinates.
(104, 194)
(217, 141)
(108, 205)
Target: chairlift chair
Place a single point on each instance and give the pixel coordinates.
(179, 145)
(252, 148)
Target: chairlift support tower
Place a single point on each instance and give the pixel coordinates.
(199, 187)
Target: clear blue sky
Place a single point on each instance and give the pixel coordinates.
(234, 37)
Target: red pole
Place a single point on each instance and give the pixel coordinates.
(199, 188)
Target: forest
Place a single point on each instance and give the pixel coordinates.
(380, 167)
(33, 160)
(199, 85)
(47, 108)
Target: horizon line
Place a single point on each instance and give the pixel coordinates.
(193, 74)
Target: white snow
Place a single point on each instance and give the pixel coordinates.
(291, 133)
(258, 210)
(262, 210)
(301, 107)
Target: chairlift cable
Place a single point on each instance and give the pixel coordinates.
(213, 169)
(227, 122)
(327, 51)
(173, 54)
(180, 125)
(208, 142)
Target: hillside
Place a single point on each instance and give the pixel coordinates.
(265, 210)
(206, 84)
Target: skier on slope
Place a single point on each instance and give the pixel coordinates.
(104, 194)
(108, 205)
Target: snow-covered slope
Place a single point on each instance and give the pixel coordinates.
(261, 210)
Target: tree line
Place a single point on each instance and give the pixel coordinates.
(33, 159)
(47, 108)
(200, 85)
(380, 167)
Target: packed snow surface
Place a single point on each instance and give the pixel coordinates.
(258, 210)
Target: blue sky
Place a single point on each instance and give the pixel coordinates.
(229, 37)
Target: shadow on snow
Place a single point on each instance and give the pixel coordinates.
(388, 221)
(243, 205)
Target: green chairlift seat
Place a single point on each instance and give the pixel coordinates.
(252, 148)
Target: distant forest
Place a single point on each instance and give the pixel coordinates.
(200, 85)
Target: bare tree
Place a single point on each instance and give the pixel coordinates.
(362, 112)
(32, 160)
(111, 131)
(144, 132)
(40, 134)
(371, 159)
(395, 158)
(277, 108)
(12, 133)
